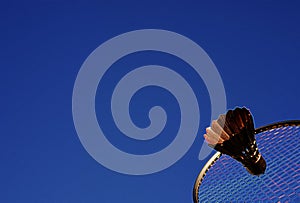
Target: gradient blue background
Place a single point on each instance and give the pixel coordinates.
(255, 47)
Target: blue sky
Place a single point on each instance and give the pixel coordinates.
(255, 47)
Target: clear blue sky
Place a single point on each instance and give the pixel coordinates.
(255, 47)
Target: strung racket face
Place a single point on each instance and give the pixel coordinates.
(225, 180)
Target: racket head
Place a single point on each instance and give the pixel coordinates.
(223, 179)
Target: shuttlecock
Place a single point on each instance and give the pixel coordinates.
(233, 134)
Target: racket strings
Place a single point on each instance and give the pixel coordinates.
(227, 180)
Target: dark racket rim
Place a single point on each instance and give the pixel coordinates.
(217, 155)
